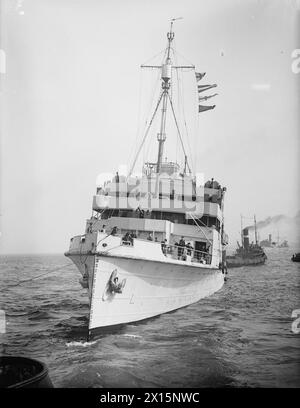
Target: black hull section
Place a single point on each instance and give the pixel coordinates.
(21, 372)
(239, 262)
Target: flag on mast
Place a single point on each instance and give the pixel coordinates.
(204, 98)
(205, 108)
(199, 75)
(202, 88)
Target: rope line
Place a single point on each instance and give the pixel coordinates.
(149, 108)
(178, 130)
(43, 274)
(146, 134)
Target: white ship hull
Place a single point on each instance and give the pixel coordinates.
(152, 288)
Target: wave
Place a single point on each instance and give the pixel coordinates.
(81, 343)
(22, 313)
(39, 314)
(134, 336)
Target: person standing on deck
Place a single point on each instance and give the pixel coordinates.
(181, 248)
(164, 246)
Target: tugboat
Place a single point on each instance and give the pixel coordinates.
(247, 254)
(155, 241)
(296, 257)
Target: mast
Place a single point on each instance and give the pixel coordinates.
(255, 230)
(185, 164)
(166, 74)
(242, 241)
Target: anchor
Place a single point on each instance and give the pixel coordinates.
(113, 286)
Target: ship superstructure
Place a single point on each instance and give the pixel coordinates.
(155, 242)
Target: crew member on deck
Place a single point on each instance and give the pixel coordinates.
(164, 246)
(149, 238)
(206, 257)
(125, 238)
(189, 249)
(130, 238)
(181, 246)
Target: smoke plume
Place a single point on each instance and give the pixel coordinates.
(268, 221)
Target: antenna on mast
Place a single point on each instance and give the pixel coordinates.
(177, 18)
(170, 35)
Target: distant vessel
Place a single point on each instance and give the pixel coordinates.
(148, 248)
(296, 257)
(268, 243)
(284, 244)
(247, 254)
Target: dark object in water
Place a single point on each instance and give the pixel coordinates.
(21, 372)
(296, 257)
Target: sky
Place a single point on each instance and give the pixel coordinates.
(72, 106)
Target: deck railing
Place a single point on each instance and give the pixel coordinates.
(179, 252)
(185, 253)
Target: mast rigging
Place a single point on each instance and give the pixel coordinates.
(166, 76)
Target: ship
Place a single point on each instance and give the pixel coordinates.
(156, 241)
(296, 257)
(268, 243)
(247, 254)
(284, 244)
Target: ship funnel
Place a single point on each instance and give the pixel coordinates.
(270, 238)
(246, 238)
